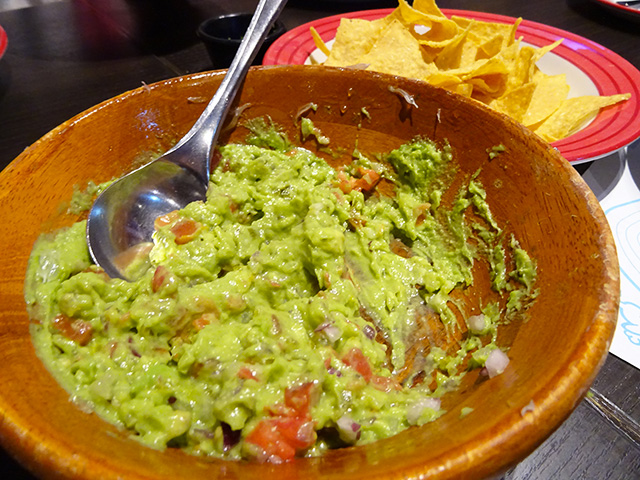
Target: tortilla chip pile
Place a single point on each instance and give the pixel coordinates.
(480, 60)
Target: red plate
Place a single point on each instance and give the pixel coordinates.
(603, 70)
(3, 41)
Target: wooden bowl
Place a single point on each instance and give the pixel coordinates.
(531, 189)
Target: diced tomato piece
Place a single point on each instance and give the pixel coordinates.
(290, 427)
(76, 330)
(345, 183)
(296, 431)
(356, 222)
(368, 180)
(185, 230)
(420, 212)
(362, 171)
(279, 410)
(159, 276)
(201, 322)
(247, 374)
(299, 398)
(327, 363)
(166, 219)
(327, 280)
(386, 384)
(359, 362)
(112, 348)
(399, 248)
(266, 436)
(283, 436)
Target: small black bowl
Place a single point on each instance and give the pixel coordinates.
(222, 36)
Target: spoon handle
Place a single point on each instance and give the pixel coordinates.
(199, 141)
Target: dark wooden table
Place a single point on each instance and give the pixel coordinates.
(67, 55)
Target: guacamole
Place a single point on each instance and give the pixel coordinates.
(276, 319)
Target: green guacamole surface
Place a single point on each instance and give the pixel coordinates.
(273, 320)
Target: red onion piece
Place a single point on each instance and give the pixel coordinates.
(415, 410)
(306, 433)
(496, 363)
(369, 332)
(229, 437)
(304, 109)
(231, 124)
(330, 331)
(205, 433)
(404, 95)
(476, 323)
(348, 429)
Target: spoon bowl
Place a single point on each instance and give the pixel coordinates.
(120, 222)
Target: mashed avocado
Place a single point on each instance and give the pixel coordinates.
(276, 318)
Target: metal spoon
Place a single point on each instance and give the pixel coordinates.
(122, 218)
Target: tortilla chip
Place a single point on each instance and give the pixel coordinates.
(572, 113)
(541, 51)
(444, 80)
(482, 32)
(441, 31)
(354, 38)
(549, 94)
(516, 102)
(477, 59)
(487, 75)
(464, 89)
(491, 47)
(453, 55)
(519, 58)
(397, 52)
(538, 54)
(428, 7)
(317, 39)
(509, 39)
